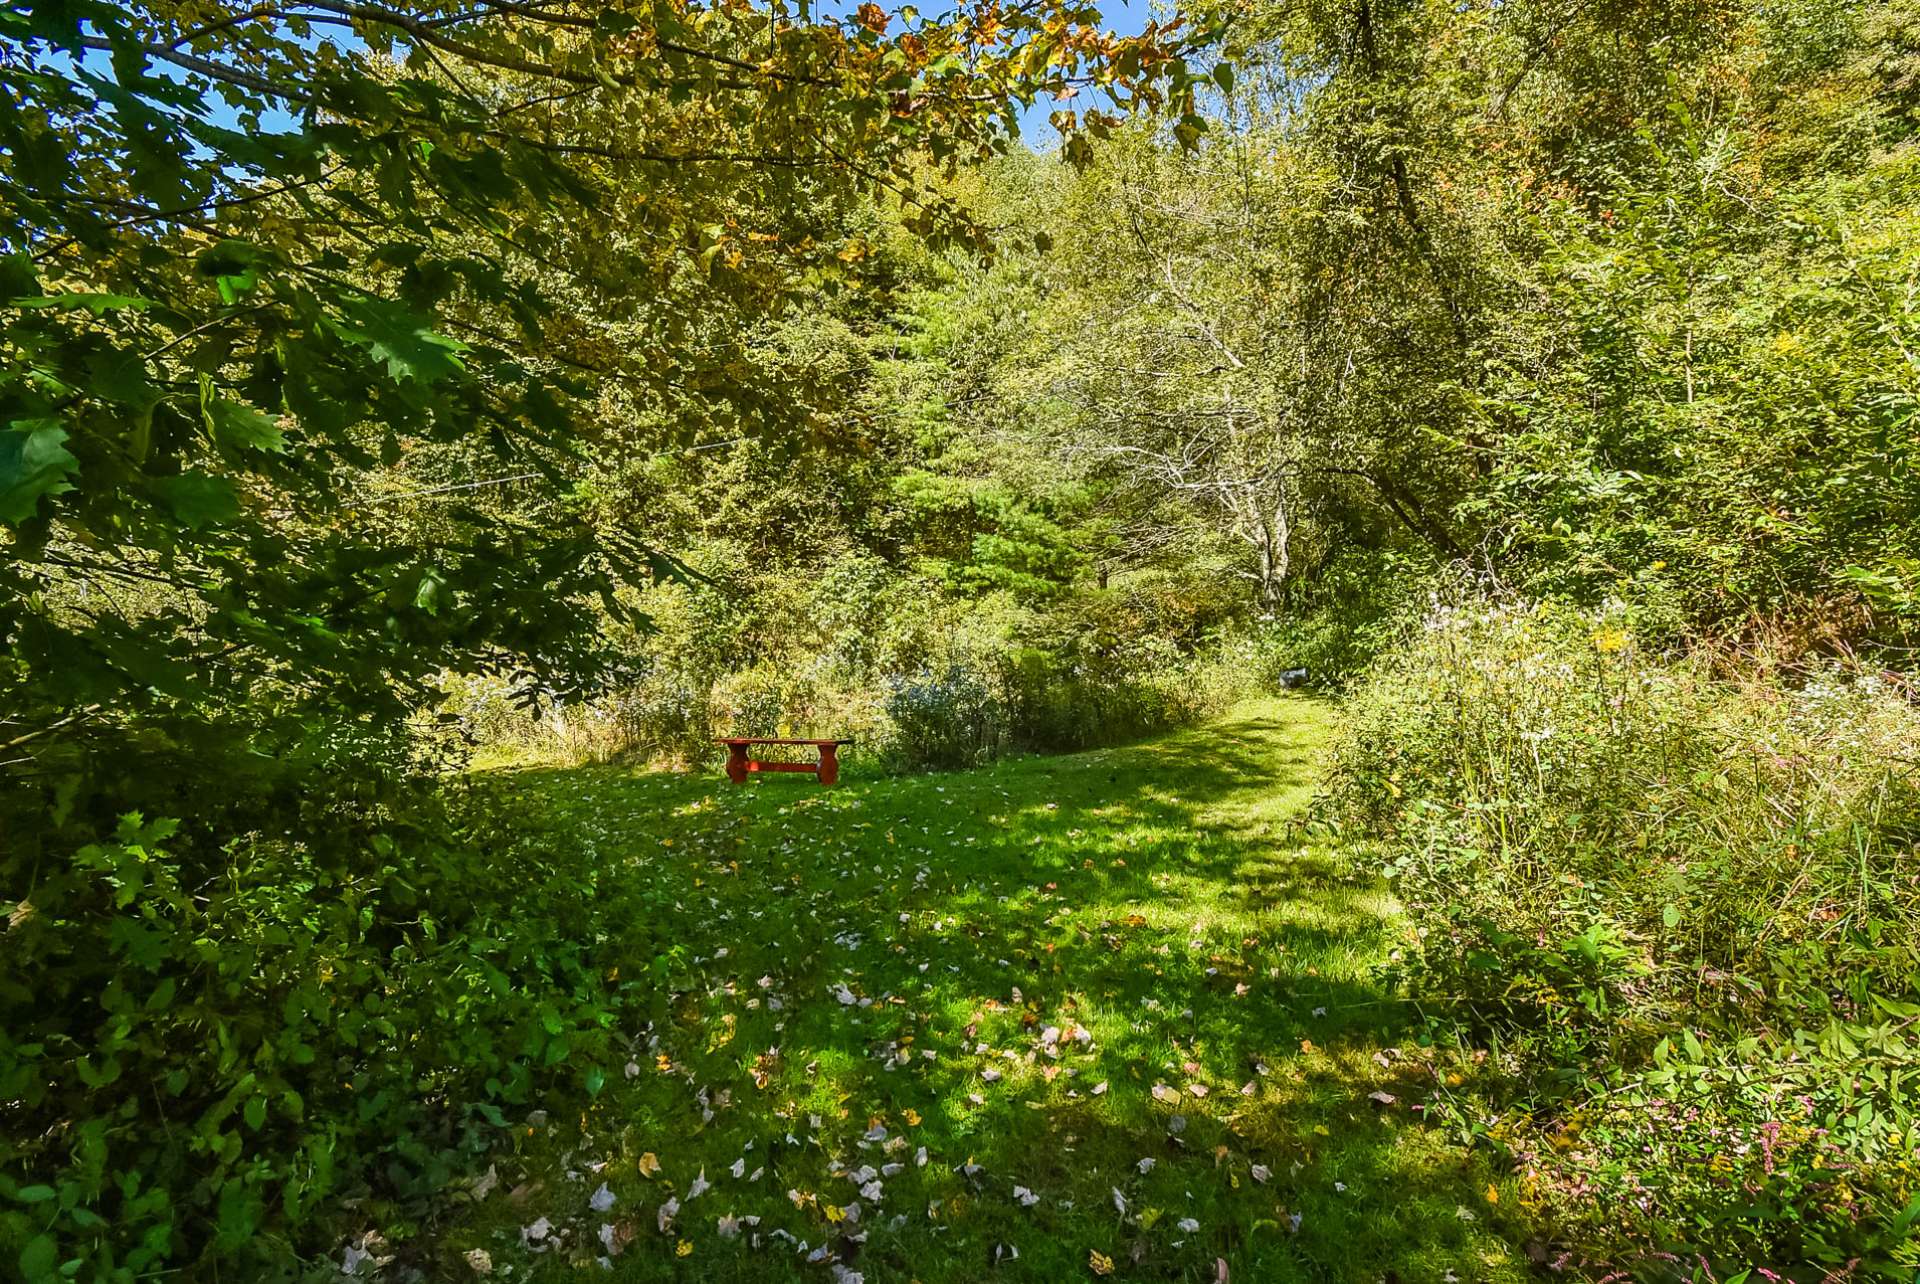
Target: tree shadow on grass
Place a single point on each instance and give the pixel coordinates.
(1126, 1013)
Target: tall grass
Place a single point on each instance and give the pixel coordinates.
(1682, 905)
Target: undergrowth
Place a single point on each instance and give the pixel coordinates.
(1684, 908)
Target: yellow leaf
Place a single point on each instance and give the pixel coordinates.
(835, 1213)
(648, 1165)
(1493, 1193)
(913, 1118)
(683, 1248)
(1099, 1263)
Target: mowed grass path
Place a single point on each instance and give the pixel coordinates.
(1059, 1016)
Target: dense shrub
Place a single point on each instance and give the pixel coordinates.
(210, 1048)
(958, 717)
(1685, 908)
(1336, 624)
(917, 677)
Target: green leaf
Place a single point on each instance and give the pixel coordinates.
(1223, 76)
(1189, 130)
(255, 1112)
(240, 1214)
(238, 426)
(1670, 916)
(199, 499)
(432, 593)
(34, 1194)
(39, 1258)
(400, 338)
(32, 463)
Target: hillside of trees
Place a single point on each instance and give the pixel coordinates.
(429, 424)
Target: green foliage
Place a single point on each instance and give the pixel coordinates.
(1683, 908)
(1731, 412)
(1342, 619)
(241, 1046)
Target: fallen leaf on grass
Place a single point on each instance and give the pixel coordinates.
(1099, 1263)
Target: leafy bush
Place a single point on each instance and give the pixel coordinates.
(1334, 628)
(1684, 908)
(209, 1049)
(958, 717)
(917, 677)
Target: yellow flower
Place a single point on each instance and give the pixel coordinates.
(683, 1248)
(1099, 1263)
(1610, 640)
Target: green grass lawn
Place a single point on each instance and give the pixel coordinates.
(996, 1023)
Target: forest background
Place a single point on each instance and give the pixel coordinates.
(1540, 377)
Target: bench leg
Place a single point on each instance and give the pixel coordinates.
(737, 764)
(829, 764)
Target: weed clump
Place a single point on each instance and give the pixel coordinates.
(1680, 905)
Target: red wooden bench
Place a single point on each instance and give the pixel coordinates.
(740, 764)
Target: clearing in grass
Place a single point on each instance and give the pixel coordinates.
(1057, 1018)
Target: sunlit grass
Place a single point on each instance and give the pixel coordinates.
(1043, 973)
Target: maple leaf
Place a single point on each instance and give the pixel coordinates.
(394, 334)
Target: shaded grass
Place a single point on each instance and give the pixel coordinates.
(863, 972)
